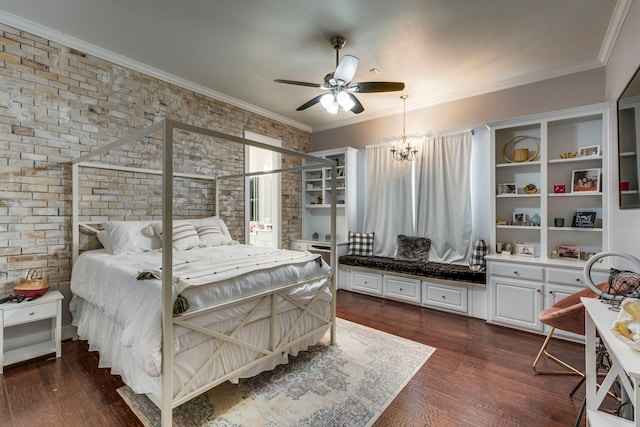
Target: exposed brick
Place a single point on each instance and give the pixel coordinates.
(61, 104)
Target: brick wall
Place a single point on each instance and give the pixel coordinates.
(57, 104)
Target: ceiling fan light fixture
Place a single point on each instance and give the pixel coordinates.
(345, 101)
(326, 100)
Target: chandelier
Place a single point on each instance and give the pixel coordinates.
(404, 151)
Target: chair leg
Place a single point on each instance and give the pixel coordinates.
(569, 370)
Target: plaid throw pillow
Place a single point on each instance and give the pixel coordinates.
(480, 249)
(361, 244)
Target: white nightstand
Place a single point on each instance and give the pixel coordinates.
(48, 306)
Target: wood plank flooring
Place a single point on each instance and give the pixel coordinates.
(480, 375)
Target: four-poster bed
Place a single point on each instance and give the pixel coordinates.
(256, 306)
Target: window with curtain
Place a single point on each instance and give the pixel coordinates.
(430, 197)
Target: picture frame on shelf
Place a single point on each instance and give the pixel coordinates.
(592, 150)
(583, 219)
(519, 218)
(525, 250)
(507, 188)
(585, 180)
(572, 252)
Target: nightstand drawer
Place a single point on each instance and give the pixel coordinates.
(15, 316)
(298, 246)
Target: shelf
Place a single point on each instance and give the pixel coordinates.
(518, 164)
(581, 230)
(519, 227)
(323, 205)
(577, 194)
(627, 154)
(576, 159)
(509, 196)
(629, 192)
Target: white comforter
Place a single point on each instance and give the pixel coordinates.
(109, 282)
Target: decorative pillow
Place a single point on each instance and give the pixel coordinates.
(211, 235)
(184, 235)
(361, 243)
(127, 237)
(477, 261)
(103, 237)
(216, 222)
(412, 248)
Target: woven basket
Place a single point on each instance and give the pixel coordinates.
(520, 154)
(33, 284)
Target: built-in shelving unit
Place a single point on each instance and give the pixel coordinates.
(568, 144)
(317, 192)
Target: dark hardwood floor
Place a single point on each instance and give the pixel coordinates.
(480, 375)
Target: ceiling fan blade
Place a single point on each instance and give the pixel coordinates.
(370, 87)
(346, 69)
(310, 103)
(357, 108)
(297, 83)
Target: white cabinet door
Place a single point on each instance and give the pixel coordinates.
(516, 303)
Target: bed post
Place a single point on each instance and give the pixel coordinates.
(334, 267)
(167, 274)
(75, 232)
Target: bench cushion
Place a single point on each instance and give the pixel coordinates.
(459, 273)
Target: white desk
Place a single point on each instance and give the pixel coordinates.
(626, 365)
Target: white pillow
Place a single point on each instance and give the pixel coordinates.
(184, 235)
(127, 237)
(215, 222)
(211, 235)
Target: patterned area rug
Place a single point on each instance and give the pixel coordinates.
(351, 384)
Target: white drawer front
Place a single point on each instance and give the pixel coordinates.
(565, 276)
(517, 271)
(443, 296)
(402, 288)
(298, 246)
(29, 314)
(364, 282)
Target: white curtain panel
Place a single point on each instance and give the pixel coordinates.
(388, 199)
(443, 177)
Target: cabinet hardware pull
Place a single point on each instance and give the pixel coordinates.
(516, 273)
(538, 290)
(400, 289)
(444, 297)
(578, 279)
(32, 313)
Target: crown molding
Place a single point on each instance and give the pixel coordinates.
(615, 25)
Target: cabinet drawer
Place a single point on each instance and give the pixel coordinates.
(444, 296)
(365, 282)
(517, 271)
(30, 313)
(298, 246)
(574, 277)
(402, 288)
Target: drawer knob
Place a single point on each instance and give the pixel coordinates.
(578, 279)
(32, 313)
(444, 297)
(516, 273)
(400, 289)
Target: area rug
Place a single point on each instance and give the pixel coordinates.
(349, 384)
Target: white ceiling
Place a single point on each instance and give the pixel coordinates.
(233, 49)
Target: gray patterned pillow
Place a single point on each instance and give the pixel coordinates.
(412, 248)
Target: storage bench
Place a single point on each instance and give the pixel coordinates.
(448, 287)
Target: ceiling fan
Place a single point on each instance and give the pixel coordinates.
(340, 90)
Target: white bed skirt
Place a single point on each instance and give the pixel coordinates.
(105, 336)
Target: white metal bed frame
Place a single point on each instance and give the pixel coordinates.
(166, 402)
